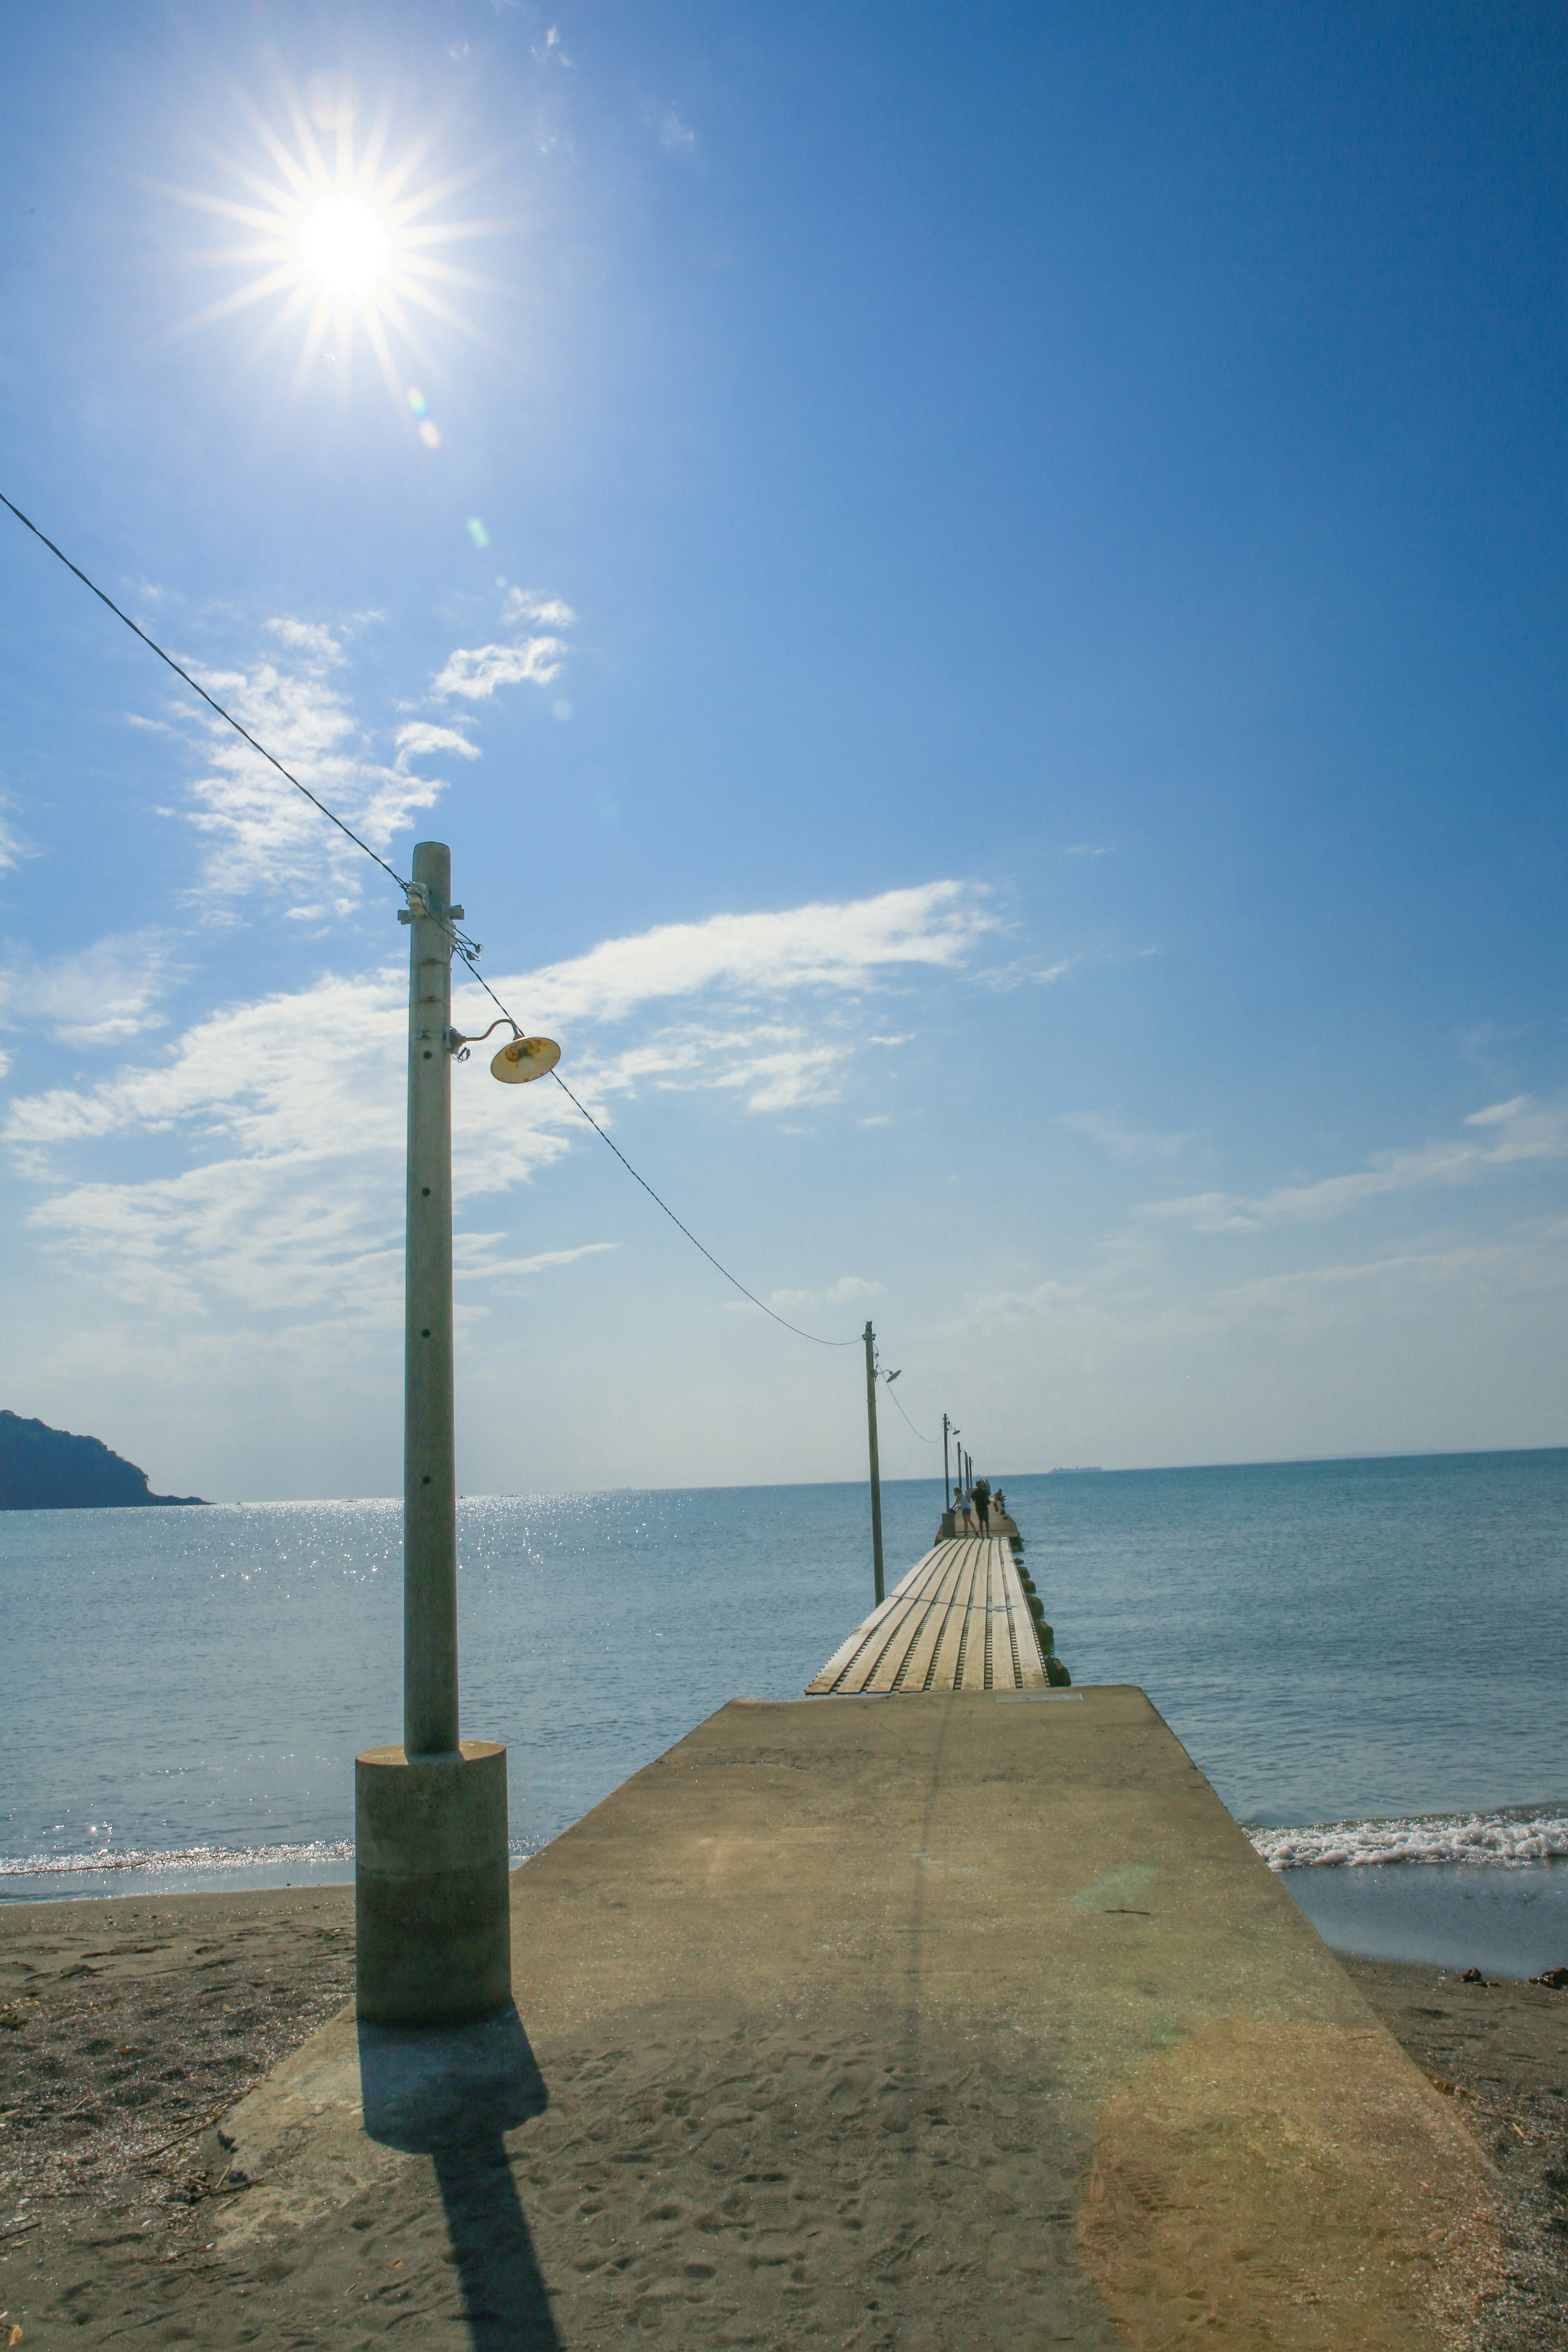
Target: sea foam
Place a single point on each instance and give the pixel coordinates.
(1510, 1840)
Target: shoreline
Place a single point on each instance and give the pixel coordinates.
(1508, 1918)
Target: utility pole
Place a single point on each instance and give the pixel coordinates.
(432, 1917)
(946, 1481)
(429, 1433)
(876, 1472)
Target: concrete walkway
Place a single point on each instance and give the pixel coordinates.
(972, 2022)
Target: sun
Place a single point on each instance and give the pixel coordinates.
(341, 245)
(345, 248)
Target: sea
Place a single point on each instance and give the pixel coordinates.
(1368, 1659)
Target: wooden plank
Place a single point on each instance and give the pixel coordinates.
(916, 1611)
(931, 1632)
(890, 1632)
(1034, 1672)
(979, 1598)
(1004, 1676)
(945, 1675)
(827, 1678)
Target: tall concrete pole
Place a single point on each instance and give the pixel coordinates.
(432, 1911)
(429, 1446)
(876, 1470)
(946, 1480)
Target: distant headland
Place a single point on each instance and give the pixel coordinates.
(45, 1469)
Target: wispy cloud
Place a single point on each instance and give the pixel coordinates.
(675, 136)
(474, 673)
(103, 994)
(11, 846)
(291, 1109)
(258, 830)
(1503, 1135)
(821, 945)
(418, 740)
(524, 604)
(282, 1119)
(1125, 1142)
(1023, 973)
(473, 1256)
(848, 1288)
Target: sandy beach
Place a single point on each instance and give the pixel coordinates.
(130, 2027)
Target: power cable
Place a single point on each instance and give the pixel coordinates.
(226, 716)
(924, 1441)
(468, 949)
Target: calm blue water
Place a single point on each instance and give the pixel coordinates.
(1332, 1642)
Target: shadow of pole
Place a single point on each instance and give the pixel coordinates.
(452, 2094)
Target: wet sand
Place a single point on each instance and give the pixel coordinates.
(129, 2028)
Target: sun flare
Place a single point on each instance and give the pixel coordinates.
(343, 244)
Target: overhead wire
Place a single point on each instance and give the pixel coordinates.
(467, 948)
(894, 1394)
(213, 703)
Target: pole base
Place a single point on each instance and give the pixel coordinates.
(432, 1905)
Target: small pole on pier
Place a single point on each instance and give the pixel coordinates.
(875, 1471)
(946, 1481)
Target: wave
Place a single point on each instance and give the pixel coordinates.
(1509, 1841)
(110, 1861)
(184, 1857)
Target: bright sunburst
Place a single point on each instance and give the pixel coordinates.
(340, 242)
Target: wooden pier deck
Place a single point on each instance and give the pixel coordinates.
(958, 1621)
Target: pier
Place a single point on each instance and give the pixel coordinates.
(940, 2007)
(959, 1621)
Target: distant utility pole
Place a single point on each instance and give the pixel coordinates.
(875, 1471)
(946, 1481)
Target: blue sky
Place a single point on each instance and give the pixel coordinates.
(982, 608)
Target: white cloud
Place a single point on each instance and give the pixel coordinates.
(474, 672)
(850, 1285)
(523, 605)
(11, 850)
(1503, 1135)
(675, 137)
